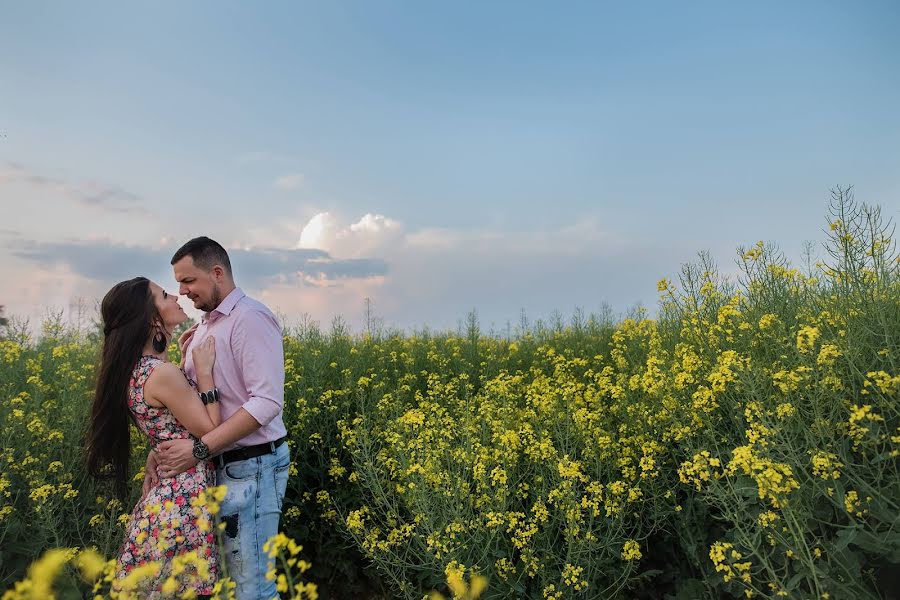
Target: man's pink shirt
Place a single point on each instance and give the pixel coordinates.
(249, 368)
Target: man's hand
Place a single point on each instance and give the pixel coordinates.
(151, 477)
(175, 456)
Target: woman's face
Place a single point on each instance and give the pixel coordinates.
(167, 304)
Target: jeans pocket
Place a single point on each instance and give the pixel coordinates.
(243, 469)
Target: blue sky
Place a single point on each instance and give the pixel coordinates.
(435, 157)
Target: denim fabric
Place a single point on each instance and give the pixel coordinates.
(251, 512)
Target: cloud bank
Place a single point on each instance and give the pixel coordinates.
(92, 194)
(108, 261)
(418, 277)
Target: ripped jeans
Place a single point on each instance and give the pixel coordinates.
(251, 511)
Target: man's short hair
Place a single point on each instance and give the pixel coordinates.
(206, 253)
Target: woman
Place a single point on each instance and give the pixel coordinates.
(136, 384)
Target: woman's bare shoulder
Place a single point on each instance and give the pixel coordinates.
(165, 376)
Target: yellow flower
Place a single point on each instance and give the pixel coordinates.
(755, 252)
(828, 354)
(785, 410)
(571, 575)
(886, 384)
(727, 561)
(697, 471)
(854, 505)
(826, 465)
(768, 320)
(44, 571)
(356, 520)
(767, 518)
(570, 469)
(860, 421)
(631, 551)
(806, 338)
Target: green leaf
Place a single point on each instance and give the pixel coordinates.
(845, 537)
(870, 542)
(793, 581)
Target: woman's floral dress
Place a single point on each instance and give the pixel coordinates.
(164, 524)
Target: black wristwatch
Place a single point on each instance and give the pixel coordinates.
(201, 450)
(209, 397)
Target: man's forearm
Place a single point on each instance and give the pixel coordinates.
(238, 426)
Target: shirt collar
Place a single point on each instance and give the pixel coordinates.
(226, 305)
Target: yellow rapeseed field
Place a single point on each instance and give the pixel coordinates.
(743, 443)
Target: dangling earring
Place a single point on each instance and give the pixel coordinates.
(159, 342)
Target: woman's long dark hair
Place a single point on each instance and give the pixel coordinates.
(128, 312)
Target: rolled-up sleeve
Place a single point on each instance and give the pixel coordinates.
(259, 352)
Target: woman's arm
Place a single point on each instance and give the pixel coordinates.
(204, 358)
(205, 384)
(168, 386)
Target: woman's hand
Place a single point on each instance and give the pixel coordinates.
(205, 356)
(151, 477)
(185, 338)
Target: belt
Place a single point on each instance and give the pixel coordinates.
(248, 452)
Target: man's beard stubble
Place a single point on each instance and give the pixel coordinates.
(214, 301)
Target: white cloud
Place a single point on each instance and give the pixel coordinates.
(320, 232)
(372, 235)
(289, 182)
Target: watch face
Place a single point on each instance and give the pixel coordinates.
(201, 450)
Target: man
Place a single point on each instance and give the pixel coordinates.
(249, 447)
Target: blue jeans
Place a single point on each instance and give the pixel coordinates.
(251, 511)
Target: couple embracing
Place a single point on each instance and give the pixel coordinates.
(214, 420)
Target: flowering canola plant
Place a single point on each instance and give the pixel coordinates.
(742, 443)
